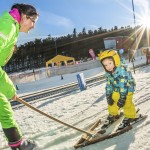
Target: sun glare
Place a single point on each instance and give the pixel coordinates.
(145, 21)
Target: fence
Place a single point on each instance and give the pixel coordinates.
(38, 74)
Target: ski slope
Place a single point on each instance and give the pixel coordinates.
(81, 109)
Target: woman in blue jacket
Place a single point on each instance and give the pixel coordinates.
(120, 87)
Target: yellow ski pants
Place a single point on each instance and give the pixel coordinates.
(128, 108)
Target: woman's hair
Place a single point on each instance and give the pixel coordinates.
(26, 9)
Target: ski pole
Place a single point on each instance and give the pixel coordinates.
(55, 119)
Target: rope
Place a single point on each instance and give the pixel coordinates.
(44, 114)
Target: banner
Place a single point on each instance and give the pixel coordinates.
(81, 81)
(91, 52)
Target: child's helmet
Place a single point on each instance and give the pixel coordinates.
(110, 54)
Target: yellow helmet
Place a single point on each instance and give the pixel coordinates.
(110, 54)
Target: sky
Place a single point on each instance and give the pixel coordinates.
(82, 109)
(60, 17)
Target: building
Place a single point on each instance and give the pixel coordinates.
(118, 42)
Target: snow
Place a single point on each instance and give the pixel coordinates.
(81, 109)
(55, 81)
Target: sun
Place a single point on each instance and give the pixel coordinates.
(145, 21)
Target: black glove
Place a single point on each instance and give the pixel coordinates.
(110, 101)
(121, 102)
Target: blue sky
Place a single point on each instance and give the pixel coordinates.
(60, 17)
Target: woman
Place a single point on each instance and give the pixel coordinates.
(21, 18)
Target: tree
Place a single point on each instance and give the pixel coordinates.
(90, 32)
(115, 28)
(74, 33)
(84, 31)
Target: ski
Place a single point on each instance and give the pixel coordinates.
(103, 130)
(127, 128)
(99, 134)
(104, 134)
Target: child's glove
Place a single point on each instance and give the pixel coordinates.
(110, 101)
(121, 102)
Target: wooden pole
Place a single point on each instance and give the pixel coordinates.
(44, 114)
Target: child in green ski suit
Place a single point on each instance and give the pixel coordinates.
(21, 18)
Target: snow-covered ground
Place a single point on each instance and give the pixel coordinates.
(81, 109)
(55, 81)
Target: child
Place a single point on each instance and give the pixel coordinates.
(21, 18)
(119, 88)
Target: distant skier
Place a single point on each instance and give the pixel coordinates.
(119, 88)
(122, 59)
(131, 55)
(21, 17)
(62, 77)
(147, 56)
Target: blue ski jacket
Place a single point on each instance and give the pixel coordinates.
(121, 80)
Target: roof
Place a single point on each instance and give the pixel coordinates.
(60, 58)
(109, 38)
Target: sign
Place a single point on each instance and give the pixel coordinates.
(81, 81)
